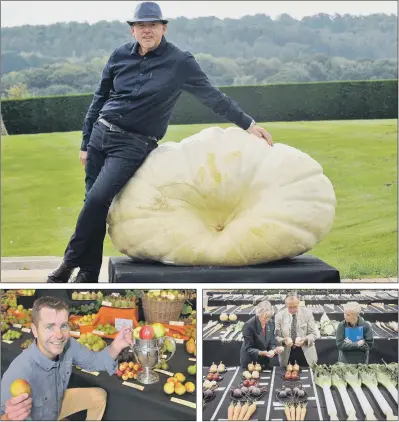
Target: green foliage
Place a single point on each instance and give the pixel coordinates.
(45, 114)
(280, 102)
(250, 50)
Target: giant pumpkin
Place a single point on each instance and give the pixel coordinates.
(222, 197)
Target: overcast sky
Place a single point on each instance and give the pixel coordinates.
(16, 13)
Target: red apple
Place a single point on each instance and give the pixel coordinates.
(210, 377)
(119, 373)
(246, 383)
(146, 332)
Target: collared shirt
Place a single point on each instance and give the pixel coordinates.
(49, 378)
(138, 93)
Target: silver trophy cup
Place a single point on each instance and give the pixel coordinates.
(148, 353)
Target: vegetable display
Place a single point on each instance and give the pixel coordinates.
(342, 375)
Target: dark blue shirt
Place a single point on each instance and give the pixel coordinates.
(138, 93)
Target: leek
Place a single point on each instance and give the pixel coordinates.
(387, 376)
(352, 378)
(338, 381)
(369, 379)
(323, 380)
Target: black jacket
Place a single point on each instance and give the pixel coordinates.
(255, 341)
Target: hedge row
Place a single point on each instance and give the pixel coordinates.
(265, 103)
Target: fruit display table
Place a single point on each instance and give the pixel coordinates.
(301, 269)
(124, 402)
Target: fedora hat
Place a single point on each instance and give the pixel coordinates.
(147, 11)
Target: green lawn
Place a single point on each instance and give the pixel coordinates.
(43, 186)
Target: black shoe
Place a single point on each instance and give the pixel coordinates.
(85, 277)
(61, 274)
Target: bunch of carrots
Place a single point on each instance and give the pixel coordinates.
(241, 413)
(295, 412)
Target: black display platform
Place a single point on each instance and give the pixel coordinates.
(301, 269)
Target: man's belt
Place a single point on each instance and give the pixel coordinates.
(115, 128)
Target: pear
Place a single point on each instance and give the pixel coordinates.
(258, 367)
(221, 367)
(213, 368)
(295, 367)
(251, 366)
(289, 368)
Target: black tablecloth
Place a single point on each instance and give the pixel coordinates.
(229, 353)
(302, 269)
(125, 403)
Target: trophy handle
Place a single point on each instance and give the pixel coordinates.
(134, 353)
(172, 340)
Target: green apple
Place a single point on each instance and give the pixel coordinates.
(136, 332)
(159, 330)
(192, 370)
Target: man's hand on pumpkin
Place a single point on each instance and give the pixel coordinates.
(260, 133)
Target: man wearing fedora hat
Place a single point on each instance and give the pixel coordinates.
(129, 114)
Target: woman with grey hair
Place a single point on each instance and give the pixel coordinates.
(259, 343)
(354, 336)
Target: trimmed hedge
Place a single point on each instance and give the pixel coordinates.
(265, 103)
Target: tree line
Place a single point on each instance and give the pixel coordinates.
(68, 58)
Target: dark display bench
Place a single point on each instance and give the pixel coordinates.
(301, 269)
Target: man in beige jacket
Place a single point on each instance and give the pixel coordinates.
(296, 331)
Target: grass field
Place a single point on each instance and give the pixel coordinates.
(43, 185)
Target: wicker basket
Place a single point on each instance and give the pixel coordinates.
(162, 311)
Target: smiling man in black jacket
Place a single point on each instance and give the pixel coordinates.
(129, 114)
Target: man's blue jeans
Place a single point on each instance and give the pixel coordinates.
(112, 159)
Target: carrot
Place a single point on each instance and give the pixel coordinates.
(250, 412)
(243, 411)
(303, 412)
(293, 412)
(237, 410)
(287, 411)
(298, 412)
(230, 412)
